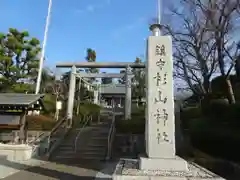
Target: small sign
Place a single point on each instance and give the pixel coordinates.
(59, 105)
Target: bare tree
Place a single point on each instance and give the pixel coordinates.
(194, 49)
(222, 15)
(203, 42)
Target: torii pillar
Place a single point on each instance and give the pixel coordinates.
(71, 95)
(96, 97)
(128, 96)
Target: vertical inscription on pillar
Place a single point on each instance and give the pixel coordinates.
(160, 98)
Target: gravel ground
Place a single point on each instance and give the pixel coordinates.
(130, 167)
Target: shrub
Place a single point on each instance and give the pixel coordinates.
(78, 121)
(136, 125)
(140, 111)
(191, 113)
(188, 114)
(220, 111)
(215, 138)
(49, 102)
(232, 115)
(219, 84)
(88, 108)
(218, 141)
(218, 108)
(40, 123)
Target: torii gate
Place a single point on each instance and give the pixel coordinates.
(128, 73)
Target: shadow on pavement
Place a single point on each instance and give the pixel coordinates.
(58, 171)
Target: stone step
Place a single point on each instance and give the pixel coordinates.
(98, 141)
(100, 138)
(67, 144)
(100, 125)
(101, 130)
(63, 157)
(99, 158)
(99, 135)
(69, 138)
(92, 150)
(93, 153)
(93, 145)
(65, 148)
(65, 153)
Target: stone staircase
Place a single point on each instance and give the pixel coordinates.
(91, 145)
(96, 146)
(66, 151)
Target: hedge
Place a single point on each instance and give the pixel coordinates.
(217, 131)
(40, 123)
(188, 114)
(219, 84)
(88, 108)
(215, 138)
(136, 125)
(85, 109)
(49, 104)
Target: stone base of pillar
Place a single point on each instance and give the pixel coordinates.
(128, 169)
(165, 164)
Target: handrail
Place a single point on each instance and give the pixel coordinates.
(54, 130)
(36, 139)
(59, 123)
(111, 135)
(78, 135)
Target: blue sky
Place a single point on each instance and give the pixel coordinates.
(116, 29)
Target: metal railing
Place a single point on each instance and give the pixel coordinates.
(111, 135)
(37, 139)
(59, 130)
(35, 144)
(85, 122)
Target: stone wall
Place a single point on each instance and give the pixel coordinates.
(128, 145)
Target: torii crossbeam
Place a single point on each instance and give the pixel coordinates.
(100, 75)
(100, 65)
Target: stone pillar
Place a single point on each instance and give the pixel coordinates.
(160, 121)
(71, 94)
(128, 96)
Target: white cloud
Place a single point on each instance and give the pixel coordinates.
(93, 7)
(108, 1)
(90, 8)
(125, 29)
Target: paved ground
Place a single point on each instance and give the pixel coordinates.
(62, 169)
(56, 171)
